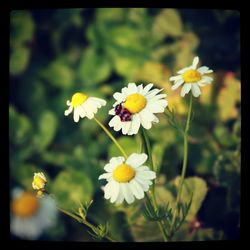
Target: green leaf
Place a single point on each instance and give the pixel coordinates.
(70, 187)
(22, 27)
(129, 145)
(47, 126)
(58, 74)
(20, 127)
(23, 173)
(109, 14)
(167, 23)
(19, 59)
(94, 68)
(198, 187)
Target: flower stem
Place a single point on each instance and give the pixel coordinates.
(160, 224)
(184, 163)
(111, 137)
(84, 222)
(151, 163)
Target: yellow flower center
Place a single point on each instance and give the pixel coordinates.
(78, 99)
(191, 76)
(123, 173)
(25, 206)
(39, 182)
(135, 103)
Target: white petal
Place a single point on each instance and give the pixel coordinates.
(196, 90)
(143, 183)
(114, 120)
(147, 175)
(185, 89)
(147, 114)
(105, 176)
(108, 189)
(195, 62)
(119, 96)
(68, 111)
(125, 127)
(101, 101)
(184, 70)
(82, 112)
(204, 70)
(177, 84)
(144, 122)
(68, 102)
(76, 114)
(118, 125)
(136, 189)
(115, 192)
(142, 168)
(147, 88)
(175, 78)
(120, 197)
(88, 110)
(132, 88)
(117, 160)
(136, 123)
(154, 108)
(136, 160)
(158, 97)
(140, 89)
(207, 79)
(112, 111)
(127, 193)
(152, 93)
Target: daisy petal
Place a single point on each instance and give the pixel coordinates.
(112, 111)
(195, 62)
(177, 84)
(76, 115)
(115, 193)
(127, 193)
(119, 96)
(185, 89)
(196, 90)
(136, 189)
(136, 160)
(105, 176)
(68, 111)
(175, 78)
(147, 88)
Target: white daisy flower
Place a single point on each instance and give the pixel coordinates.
(30, 216)
(127, 179)
(83, 105)
(39, 181)
(136, 106)
(192, 78)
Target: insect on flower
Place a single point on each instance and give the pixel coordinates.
(123, 113)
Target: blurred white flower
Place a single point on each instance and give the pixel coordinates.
(83, 105)
(30, 215)
(192, 78)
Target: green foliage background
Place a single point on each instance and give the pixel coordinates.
(54, 53)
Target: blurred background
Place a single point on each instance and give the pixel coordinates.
(54, 53)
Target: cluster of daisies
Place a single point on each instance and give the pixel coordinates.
(135, 106)
(127, 178)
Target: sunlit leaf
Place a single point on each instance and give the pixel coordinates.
(70, 187)
(19, 59)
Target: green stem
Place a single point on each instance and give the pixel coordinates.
(184, 163)
(151, 163)
(111, 137)
(160, 224)
(84, 222)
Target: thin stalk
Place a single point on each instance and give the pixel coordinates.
(160, 224)
(184, 163)
(84, 222)
(151, 162)
(111, 137)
